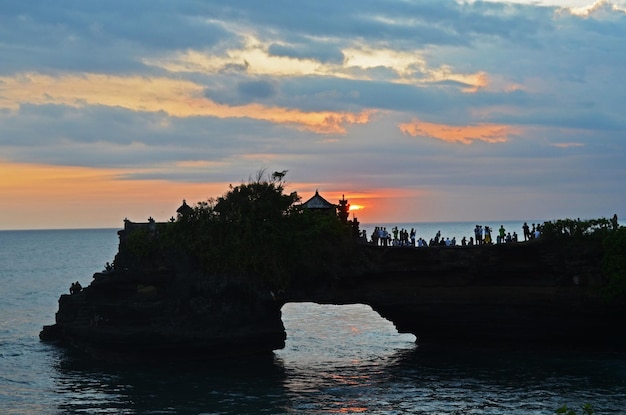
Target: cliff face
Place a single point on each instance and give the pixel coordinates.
(165, 308)
(525, 293)
(540, 293)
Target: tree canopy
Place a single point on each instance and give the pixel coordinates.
(257, 230)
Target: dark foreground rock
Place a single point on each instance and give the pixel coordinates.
(170, 315)
(534, 294)
(539, 293)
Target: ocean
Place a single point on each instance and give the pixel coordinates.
(337, 359)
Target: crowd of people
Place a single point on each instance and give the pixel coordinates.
(482, 236)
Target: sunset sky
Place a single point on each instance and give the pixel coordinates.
(414, 110)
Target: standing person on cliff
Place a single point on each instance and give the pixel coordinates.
(502, 233)
(487, 238)
(526, 230)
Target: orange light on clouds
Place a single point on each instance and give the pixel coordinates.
(362, 61)
(176, 97)
(464, 134)
(474, 81)
(478, 81)
(41, 196)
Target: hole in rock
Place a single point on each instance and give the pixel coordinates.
(334, 333)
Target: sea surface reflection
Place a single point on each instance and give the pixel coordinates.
(239, 386)
(345, 359)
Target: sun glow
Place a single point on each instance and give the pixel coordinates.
(79, 197)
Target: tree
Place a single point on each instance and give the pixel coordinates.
(256, 201)
(256, 230)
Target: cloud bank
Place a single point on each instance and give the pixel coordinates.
(495, 110)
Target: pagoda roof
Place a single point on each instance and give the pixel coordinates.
(318, 202)
(184, 209)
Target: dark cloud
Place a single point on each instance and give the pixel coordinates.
(321, 52)
(235, 67)
(242, 90)
(114, 137)
(440, 22)
(256, 90)
(100, 36)
(113, 35)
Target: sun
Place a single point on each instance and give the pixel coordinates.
(356, 207)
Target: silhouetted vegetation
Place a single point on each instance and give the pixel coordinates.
(607, 234)
(576, 228)
(255, 230)
(614, 263)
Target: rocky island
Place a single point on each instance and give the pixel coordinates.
(211, 282)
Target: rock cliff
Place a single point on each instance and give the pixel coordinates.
(539, 293)
(164, 307)
(532, 293)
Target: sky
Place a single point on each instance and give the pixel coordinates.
(415, 111)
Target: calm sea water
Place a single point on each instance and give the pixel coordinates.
(338, 359)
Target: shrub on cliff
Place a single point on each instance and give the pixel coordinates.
(601, 232)
(614, 263)
(576, 228)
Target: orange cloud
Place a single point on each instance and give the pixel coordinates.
(178, 98)
(474, 82)
(465, 134)
(477, 81)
